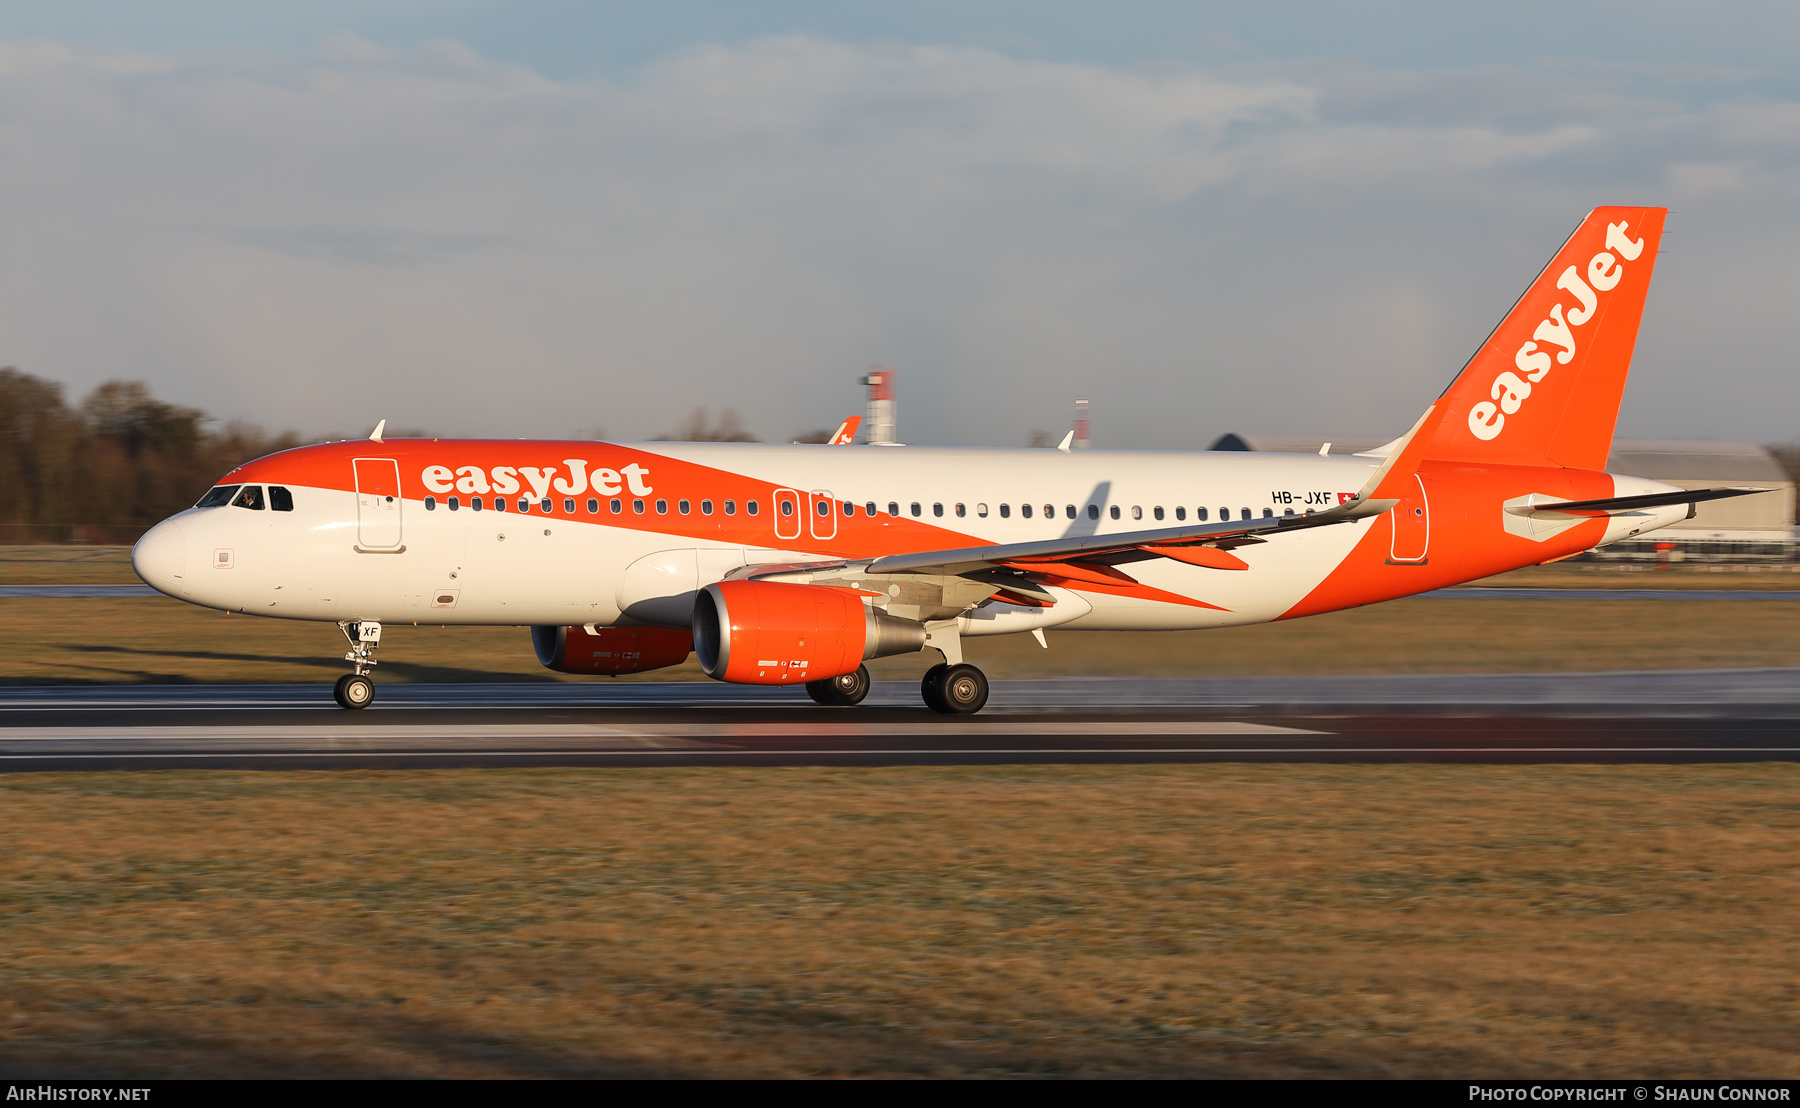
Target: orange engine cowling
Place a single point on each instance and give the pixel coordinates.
(610, 650)
(769, 633)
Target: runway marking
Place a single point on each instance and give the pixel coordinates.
(916, 752)
(646, 736)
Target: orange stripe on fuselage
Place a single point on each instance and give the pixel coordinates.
(329, 466)
(1468, 540)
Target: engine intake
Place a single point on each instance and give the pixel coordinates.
(610, 650)
(770, 633)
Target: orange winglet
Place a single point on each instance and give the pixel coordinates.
(1210, 557)
(846, 432)
(1090, 572)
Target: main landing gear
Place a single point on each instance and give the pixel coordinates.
(846, 690)
(355, 690)
(954, 690)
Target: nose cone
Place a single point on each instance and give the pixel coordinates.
(160, 557)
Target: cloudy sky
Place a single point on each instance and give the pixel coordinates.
(537, 217)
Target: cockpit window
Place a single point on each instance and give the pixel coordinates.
(251, 498)
(218, 495)
(280, 499)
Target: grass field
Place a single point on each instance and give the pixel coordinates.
(1184, 921)
(156, 640)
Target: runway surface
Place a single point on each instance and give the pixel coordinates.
(1674, 717)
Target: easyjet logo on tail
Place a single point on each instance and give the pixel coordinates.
(1510, 390)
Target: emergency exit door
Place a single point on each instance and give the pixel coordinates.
(377, 504)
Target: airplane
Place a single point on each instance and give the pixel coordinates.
(795, 565)
(846, 432)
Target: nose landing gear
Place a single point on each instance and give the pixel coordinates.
(355, 690)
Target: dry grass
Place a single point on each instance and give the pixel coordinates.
(162, 640)
(1199, 920)
(66, 565)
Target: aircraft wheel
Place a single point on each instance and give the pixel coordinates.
(962, 690)
(931, 687)
(845, 690)
(354, 691)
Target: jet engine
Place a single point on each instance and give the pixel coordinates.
(770, 633)
(610, 650)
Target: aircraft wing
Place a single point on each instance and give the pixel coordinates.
(1173, 542)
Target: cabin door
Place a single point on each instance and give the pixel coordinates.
(377, 504)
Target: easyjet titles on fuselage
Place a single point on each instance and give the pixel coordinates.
(505, 480)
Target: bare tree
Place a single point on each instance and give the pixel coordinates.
(700, 428)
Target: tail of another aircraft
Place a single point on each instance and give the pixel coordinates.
(1544, 389)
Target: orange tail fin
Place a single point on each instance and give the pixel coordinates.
(1544, 389)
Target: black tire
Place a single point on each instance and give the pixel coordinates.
(963, 690)
(931, 687)
(337, 690)
(844, 691)
(356, 692)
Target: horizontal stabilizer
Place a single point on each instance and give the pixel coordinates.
(1617, 504)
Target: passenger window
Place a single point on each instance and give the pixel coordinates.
(937, 510)
(524, 505)
(250, 498)
(1049, 511)
(1025, 510)
(637, 505)
(1268, 513)
(454, 503)
(981, 510)
(1287, 512)
(706, 507)
(217, 496)
(823, 508)
(1181, 513)
(684, 507)
(1157, 511)
(475, 503)
(893, 508)
(280, 499)
(787, 507)
(1005, 511)
(431, 503)
(547, 505)
(915, 509)
(1114, 511)
(870, 508)
(499, 503)
(568, 505)
(731, 507)
(1137, 512)
(1093, 511)
(614, 506)
(593, 506)
(1200, 514)
(751, 507)
(1069, 509)
(849, 508)
(662, 507)
(961, 511)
